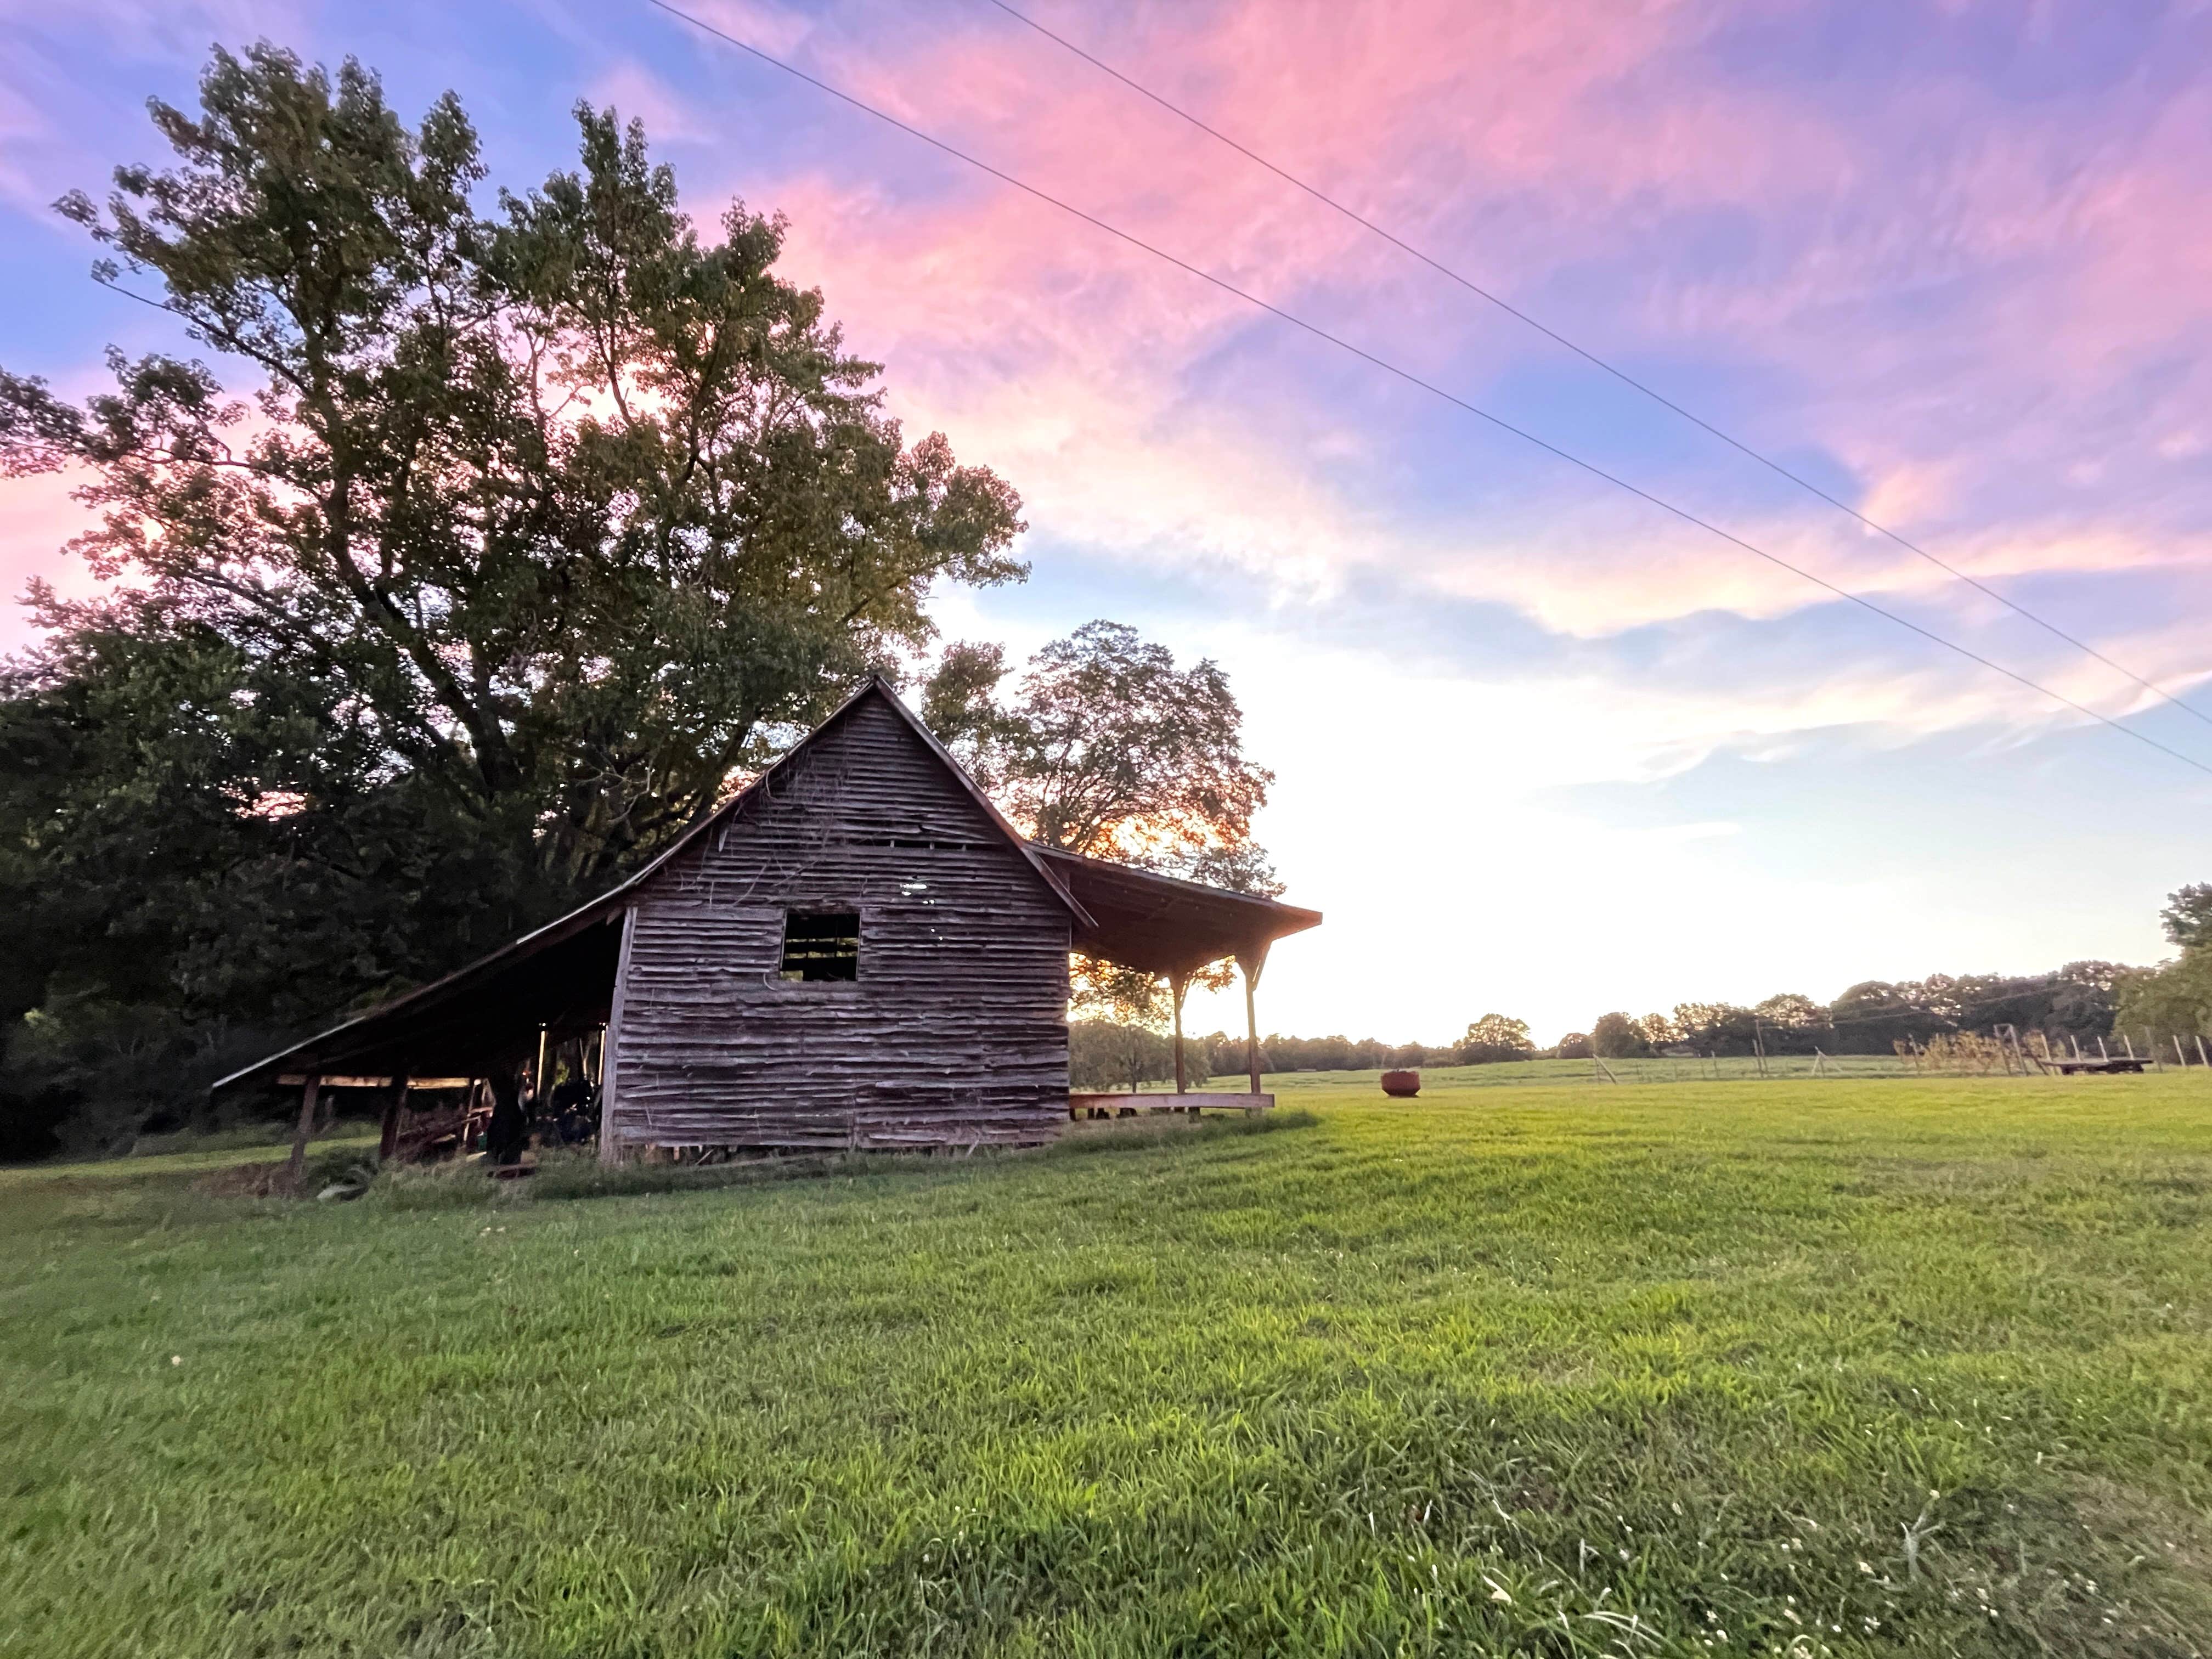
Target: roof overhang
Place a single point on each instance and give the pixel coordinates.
(1159, 924)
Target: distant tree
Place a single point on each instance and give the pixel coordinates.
(2171, 1001)
(1793, 1024)
(1495, 1037)
(1659, 1032)
(1717, 1028)
(2188, 915)
(1104, 1054)
(1616, 1036)
(1126, 996)
(2077, 999)
(1576, 1045)
(2083, 999)
(1109, 749)
(1872, 1015)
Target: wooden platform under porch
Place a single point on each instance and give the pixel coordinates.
(1114, 1104)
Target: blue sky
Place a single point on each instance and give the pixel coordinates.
(1540, 748)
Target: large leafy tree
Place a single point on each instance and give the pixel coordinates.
(581, 510)
(501, 533)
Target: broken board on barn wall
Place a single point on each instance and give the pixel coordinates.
(951, 1026)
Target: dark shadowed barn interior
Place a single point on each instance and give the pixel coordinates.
(858, 950)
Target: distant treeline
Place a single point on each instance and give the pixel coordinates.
(2083, 1001)
(2078, 1000)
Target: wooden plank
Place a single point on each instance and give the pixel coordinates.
(387, 1140)
(610, 1048)
(1252, 963)
(1177, 984)
(298, 1079)
(297, 1163)
(1255, 1101)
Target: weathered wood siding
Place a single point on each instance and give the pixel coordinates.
(955, 1031)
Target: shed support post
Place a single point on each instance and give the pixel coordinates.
(298, 1165)
(1177, 984)
(1252, 962)
(394, 1108)
(610, 1152)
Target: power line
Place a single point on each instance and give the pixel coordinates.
(1591, 357)
(1412, 379)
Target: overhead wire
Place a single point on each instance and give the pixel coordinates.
(1591, 357)
(1413, 380)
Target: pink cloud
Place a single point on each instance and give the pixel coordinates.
(37, 519)
(1045, 343)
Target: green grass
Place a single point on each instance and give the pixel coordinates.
(192, 1155)
(1844, 1367)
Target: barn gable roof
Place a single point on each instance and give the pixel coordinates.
(877, 689)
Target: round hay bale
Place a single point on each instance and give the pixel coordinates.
(1402, 1085)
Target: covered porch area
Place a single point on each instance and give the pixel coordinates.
(1160, 925)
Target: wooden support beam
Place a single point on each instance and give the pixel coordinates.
(388, 1140)
(611, 1047)
(416, 1085)
(1252, 962)
(298, 1165)
(1177, 984)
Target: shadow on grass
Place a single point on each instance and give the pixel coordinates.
(564, 1177)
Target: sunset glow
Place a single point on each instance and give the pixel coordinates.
(1540, 747)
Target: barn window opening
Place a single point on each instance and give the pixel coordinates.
(821, 945)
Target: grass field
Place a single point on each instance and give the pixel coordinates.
(1807, 1367)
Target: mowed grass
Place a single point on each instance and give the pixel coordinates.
(1810, 1367)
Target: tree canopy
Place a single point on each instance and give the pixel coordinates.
(575, 508)
(2187, 917)
(1496, 1037)
(503, 533)
(1108, 749)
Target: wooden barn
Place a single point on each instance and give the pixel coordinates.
(857, 951)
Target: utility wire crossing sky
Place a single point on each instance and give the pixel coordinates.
(1614, 370)
(1500, 421)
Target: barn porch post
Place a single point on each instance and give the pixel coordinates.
(1178, 983)
(395, 1110)
(610, 1151)
(298, 1164)
(1252, 962)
